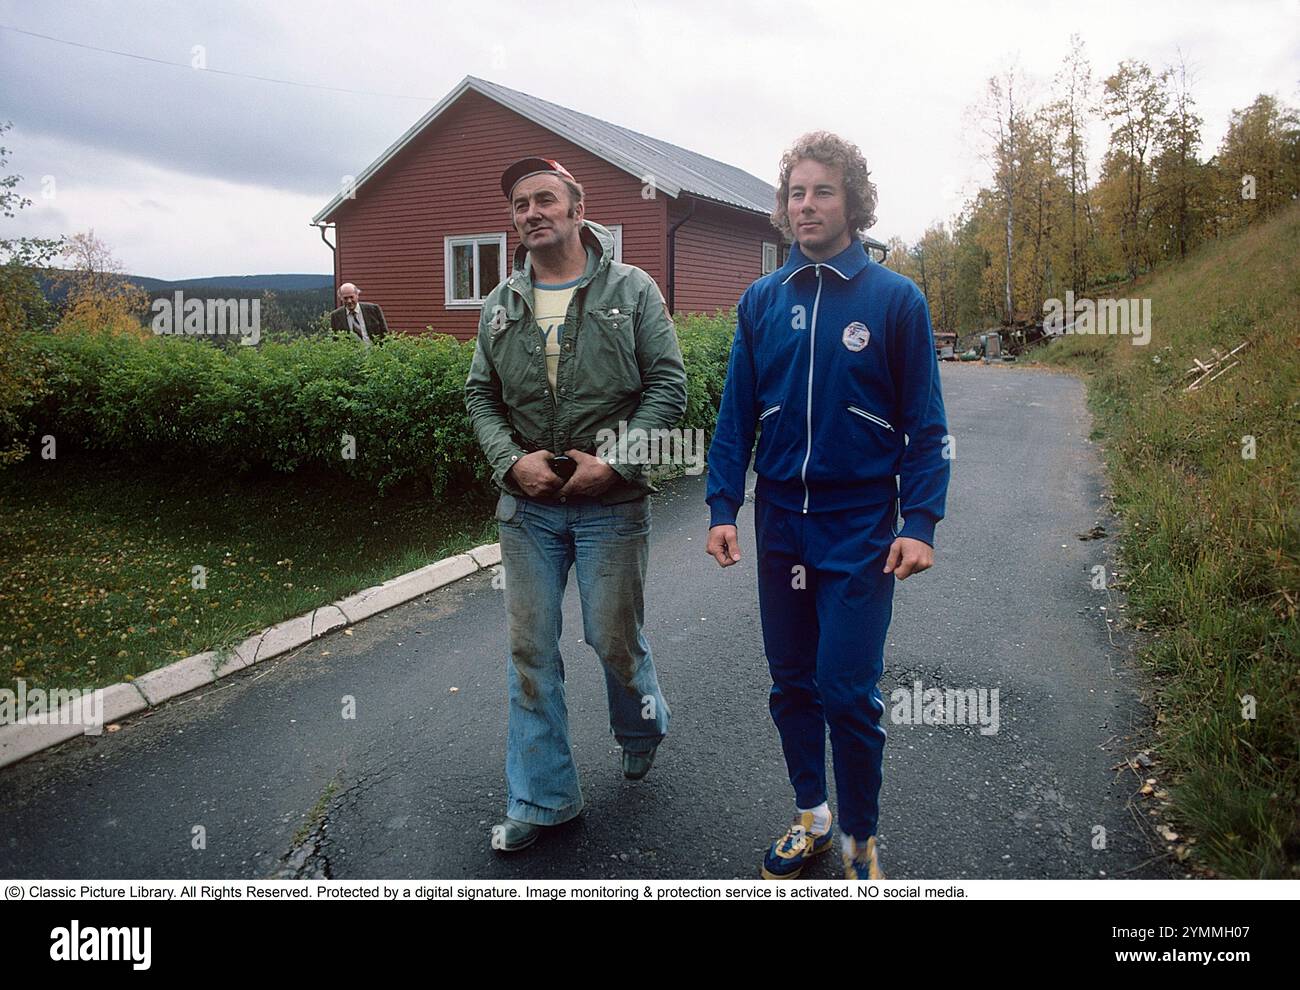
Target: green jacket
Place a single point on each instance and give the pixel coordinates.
(619, 363)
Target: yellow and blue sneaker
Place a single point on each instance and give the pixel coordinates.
(861, 861)
(789, 854)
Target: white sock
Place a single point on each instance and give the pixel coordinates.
(821, 817)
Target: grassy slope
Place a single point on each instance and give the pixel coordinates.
(1210, 542)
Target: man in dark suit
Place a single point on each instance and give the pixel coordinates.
(363, 320)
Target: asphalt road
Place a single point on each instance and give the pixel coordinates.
(261, 775)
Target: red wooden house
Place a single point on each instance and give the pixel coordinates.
(425, 232)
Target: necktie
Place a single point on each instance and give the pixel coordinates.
(359, 325)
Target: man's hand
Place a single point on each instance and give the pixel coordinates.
(533, 474)
(724, 545)
(591, 477)
(908, 556)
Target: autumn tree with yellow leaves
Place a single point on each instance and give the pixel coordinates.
(99, 297)
(1042, 225)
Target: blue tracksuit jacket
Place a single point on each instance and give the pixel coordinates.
(835, 363)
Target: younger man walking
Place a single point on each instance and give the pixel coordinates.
(833, 361)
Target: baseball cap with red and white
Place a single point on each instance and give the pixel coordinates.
(525, 167)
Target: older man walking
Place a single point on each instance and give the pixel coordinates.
(570, 345)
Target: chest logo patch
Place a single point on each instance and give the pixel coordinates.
(856, 336)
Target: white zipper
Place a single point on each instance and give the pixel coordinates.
(812, 345)
(866, 415)
(767, 412)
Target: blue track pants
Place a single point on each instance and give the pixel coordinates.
(826, 607)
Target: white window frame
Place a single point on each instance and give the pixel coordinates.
(617, 230)
(776, 257)
(449, 244)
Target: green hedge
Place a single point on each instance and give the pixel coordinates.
(706, 344)
(289, 405)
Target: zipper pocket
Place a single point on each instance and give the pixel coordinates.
(875, 419)
(767, 412)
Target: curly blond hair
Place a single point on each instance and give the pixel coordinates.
(831, 150)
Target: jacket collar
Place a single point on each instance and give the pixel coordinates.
(599, 243)
(847, 264)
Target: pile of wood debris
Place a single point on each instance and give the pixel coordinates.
(1206, 369)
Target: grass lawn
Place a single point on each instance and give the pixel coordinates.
(97, 579)
(1208, 483)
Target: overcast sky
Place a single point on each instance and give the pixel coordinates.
(187, 173)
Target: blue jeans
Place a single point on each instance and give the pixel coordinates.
(540, 542)
(826, 606)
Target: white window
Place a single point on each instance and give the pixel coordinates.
(617, 230)
(769, 258)
(474, 264)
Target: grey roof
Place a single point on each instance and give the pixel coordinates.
(674, 170)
